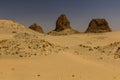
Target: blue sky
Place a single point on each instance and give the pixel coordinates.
(45, 12)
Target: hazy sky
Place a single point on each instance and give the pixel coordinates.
(46, 12)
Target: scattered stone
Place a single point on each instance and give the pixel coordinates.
(117, 53)
(73, 75)
(14, 32)
(12, 69)
(90, 49)
(24, 35)
(38, 75)
(113, 49)
(101, 58)
(28, 47)
(20, 55)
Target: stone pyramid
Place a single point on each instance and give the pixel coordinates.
(98, 26)
(63, 26)
(36, 27)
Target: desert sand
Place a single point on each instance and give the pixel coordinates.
(28, 55)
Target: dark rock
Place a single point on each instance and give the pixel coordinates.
(117, 54)
(36, 27)
(63, 27)
(98, 26)
(62, 23)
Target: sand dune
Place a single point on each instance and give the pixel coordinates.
(28, 55)
(60, 67)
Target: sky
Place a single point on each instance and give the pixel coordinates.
(46, 12)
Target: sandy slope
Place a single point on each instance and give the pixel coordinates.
(74, 61)
(62, 67)
(99, 39)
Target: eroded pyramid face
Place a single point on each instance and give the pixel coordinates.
(62, 23)
(98, 26)
(36, 27)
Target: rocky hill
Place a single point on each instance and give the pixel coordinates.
(27, 48)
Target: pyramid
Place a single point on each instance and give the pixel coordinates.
(98, 26)
(63, 26)
(36, 27)
(62, 23)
